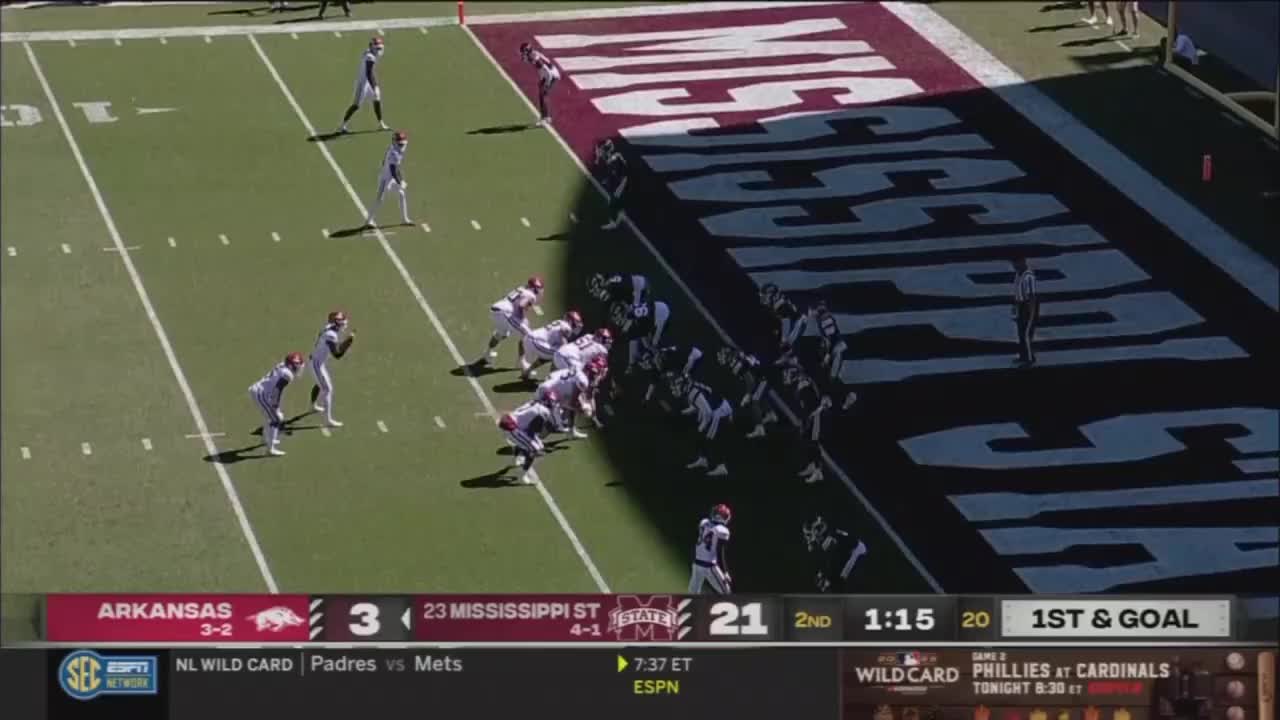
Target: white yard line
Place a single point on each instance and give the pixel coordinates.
(382, 427)
(426, 227)
(393, 23)
(693, 298)
(475, 225)
(440, 422)
(194, 436)
(238, 507)
(66, 249)
(524, 221)
(1246, 266)
(391, 254)
(223, 239)
(146, 444)
(86, 448)
(26, 452)
(275, 237)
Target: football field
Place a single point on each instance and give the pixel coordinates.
(177, 215)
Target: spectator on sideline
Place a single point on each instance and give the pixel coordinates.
(1093, 13)
(1128, 12)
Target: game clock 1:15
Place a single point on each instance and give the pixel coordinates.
(919, 618)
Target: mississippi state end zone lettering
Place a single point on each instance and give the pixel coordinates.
(833, 150)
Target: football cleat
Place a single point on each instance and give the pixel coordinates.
(718, 471)
(294, 360)
(333, 423)
(338, 319)
(401, 139)
(604, 336)
(577, 434)
(721, 513)
(535, 284)
(276, 452)
(701, 462)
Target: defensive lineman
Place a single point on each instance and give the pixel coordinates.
(367, 86)
(392, 176)
(329, 343)
(267, 394)
(710, 562)
(548, 76)
(509, 313)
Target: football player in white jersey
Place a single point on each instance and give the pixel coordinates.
(524, 428)
(367, 86)
(573, 387)
(329, 343)
(710, 562)
(510, 313)
(548, 76)
(267, 394)
(578, 353)
(540, 345)
(392, 177)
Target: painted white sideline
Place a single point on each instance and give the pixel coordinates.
(1247, 267)
(489, 410)
(724, 336)
(392, 23)
(161, 335)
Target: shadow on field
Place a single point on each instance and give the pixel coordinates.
(501, 129)
(231, 457)
(649, 448)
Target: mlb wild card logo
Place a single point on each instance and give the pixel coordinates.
(84, 675)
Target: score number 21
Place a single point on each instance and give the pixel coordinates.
(732, 619)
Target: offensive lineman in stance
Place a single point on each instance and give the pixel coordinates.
(392, 174)
(710, 563)
(328, 344)
(366, 85)
(524, 428)
(267, 394)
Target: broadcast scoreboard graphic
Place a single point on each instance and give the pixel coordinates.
(871, 657)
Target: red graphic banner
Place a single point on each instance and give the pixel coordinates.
(176, 618)
(550, 618)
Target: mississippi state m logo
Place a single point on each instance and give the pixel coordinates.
(659, 618)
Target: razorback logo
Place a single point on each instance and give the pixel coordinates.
(275, 619)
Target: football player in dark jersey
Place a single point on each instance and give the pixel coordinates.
(683, 360)
(712, 412)
(611, 167)
(835, 553)
(788, 322)
(813, 406)
(609, 289)
(750, 374)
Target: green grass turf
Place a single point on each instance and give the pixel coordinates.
(257, 13)
(409, 510)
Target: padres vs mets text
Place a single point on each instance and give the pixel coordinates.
(311, 663)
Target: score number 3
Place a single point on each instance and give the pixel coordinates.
(364, 619)
(732, 619)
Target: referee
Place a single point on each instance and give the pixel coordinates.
(1026, 311)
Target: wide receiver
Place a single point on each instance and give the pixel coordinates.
(392, 176)
(367, 86)
(268, 393)
(329, 343)
(710, 563)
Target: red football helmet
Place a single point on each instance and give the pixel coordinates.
(551, 398)
(721, 513)
(574, 318)
(293, 360)
(604, 336)
(535, 284)
(401, 138)
(597, 366)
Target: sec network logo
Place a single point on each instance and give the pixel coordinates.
(84, 675)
